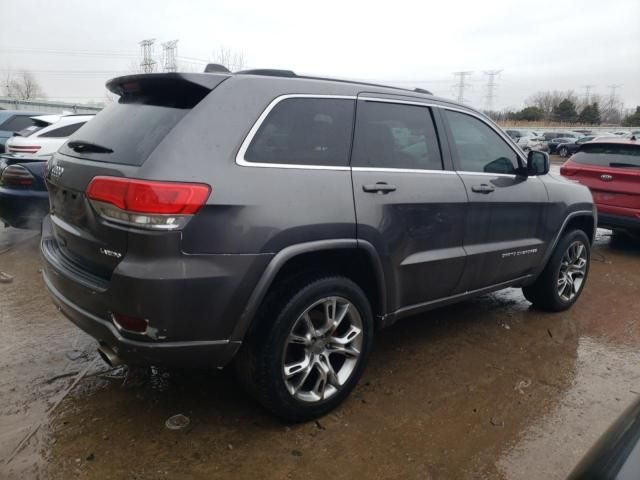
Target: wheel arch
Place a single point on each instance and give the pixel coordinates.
(352, 258)
(584, 220)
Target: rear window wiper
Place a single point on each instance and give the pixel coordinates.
(623, 165)
(82, 146)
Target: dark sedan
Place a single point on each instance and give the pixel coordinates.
(23, 193)
(572, 146)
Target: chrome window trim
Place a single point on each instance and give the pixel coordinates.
(240, 160)
(401, 101)
(240, 157)
(401, 170)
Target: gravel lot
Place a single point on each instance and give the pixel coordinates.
(485, 389)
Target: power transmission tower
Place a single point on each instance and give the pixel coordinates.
(148, 64)
(491, 87)
(587, 92)
(613, 99)
(462, 84)
(170, 56)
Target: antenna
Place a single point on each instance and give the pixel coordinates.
(170, 56)
(491, 87)
(462, 84)
(148, 64)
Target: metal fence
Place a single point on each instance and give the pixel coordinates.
(46, 106)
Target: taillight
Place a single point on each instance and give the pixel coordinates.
(16, 176)
(24, 148)
(147, 204)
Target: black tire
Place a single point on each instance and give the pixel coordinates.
(543, 294)
(563, 152)
(260, 361)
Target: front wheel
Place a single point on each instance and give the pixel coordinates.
(561, 282)
(564, 152)
(308, 353)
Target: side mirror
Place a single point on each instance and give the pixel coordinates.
(537, 163)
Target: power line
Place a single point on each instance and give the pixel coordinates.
(461, 85)
(491, 87)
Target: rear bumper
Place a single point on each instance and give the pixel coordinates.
(214, 353)
(191, 302)
(23, 208)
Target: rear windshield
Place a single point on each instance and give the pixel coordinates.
(131, 128)
(609, 155)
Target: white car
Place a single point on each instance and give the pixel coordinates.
(47, 135)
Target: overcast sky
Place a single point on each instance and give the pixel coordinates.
(74, 46)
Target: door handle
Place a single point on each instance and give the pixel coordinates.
(380, 187)
(484, 188)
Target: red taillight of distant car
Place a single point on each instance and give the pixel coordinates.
(31, 149)
(147, 204)
(16, 176)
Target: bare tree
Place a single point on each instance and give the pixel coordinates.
(233, 60)
(548, 100)
(24, 86)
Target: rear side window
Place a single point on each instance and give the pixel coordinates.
(392, 135)
(609, 155)
(17, 123)
(63, 132)
(305, 131)
(478, 147)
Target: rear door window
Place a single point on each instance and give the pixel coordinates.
(478, 147)
(393, 135)
(17, 123)
(305, 131)
(63, 132)
(608, 155)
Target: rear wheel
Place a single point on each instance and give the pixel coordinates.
(561, 282)
(310, 350)
(564, 152)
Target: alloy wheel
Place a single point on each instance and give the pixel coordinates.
(322, 349)
(573, 269)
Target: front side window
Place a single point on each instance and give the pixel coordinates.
(390, 135)
(305, 131)
(478, 147)
(63, 132)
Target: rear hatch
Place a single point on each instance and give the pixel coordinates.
(115, 143)
(610, 170)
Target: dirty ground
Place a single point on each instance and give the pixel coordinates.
(485, 389)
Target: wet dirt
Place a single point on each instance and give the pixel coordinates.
(487, 388)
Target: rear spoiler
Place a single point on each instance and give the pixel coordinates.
(156, 83)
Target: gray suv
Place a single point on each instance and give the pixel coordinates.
(281, 221)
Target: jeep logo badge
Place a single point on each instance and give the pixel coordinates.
(606, 178)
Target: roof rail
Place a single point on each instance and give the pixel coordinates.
(216, 68)
(270, 72)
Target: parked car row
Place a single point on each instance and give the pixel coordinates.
(30, 139)
(12, 121)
